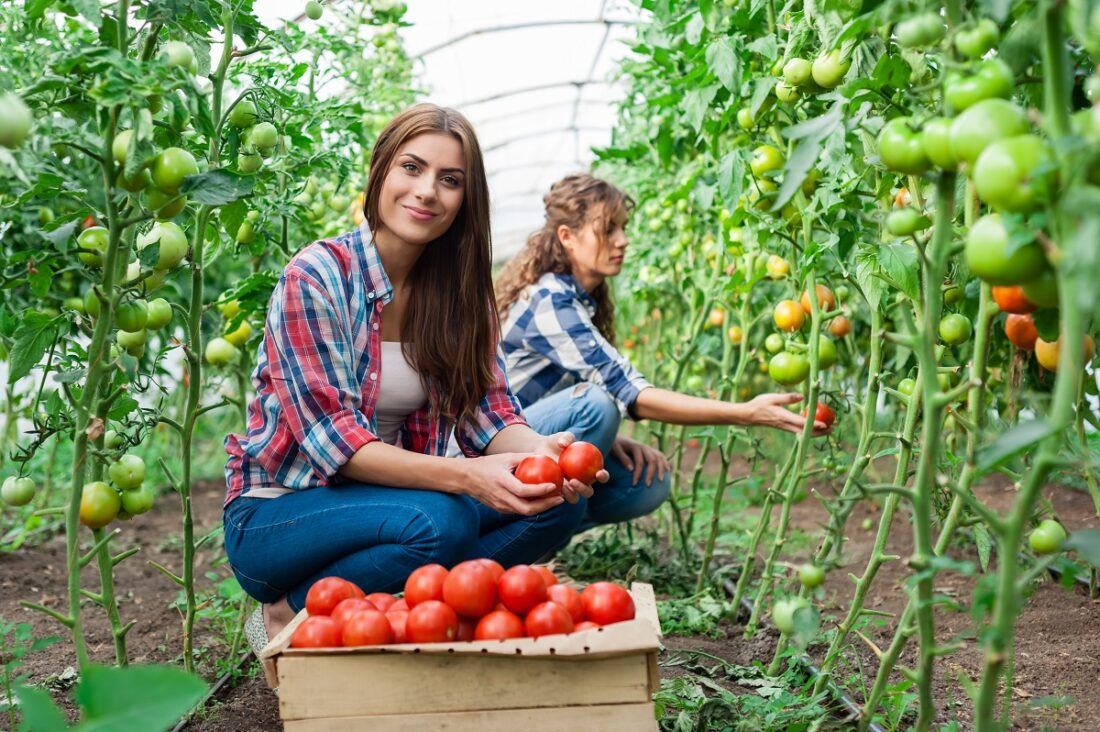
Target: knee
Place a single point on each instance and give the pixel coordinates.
(444, 530)
(656, 494)
(600, 415)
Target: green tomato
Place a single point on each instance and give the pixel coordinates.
(99, 504)
(783, 612)
(765, 159)
(138, 500)
(935, 136)
(867, 524)
(95, 239)
(954, 329)
(841, 293)
(220, 352)
(153, 279)
(976, 40)
(171, 167)
(826, 353)
(15, 120)
(744, 118)
(1043, 290)
(987, 254)
(906, 221)
(993, 80)
(132, 315)
(907, 387)
(1015, 174)
(136, 183)
(128, 472)
(263, 135)
(112, 440)
(160, 314)
(797, 72)
(786, 93)
(1047, 537)
(178, 53)
(829, 69)
(45, 215)
(952, 295)
(120, 147)
(811, 575)
(249, 162)
(983, 124)
(133, 343)
(75, 304)
(165, 206)
(314, 10)
(91, 303)
(788, 368)
(920, 30)
(243, 114)
(17, 491)
(172, 241)
(246, 233)
(773, 343)
(900, 147)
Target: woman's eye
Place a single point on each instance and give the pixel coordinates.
(451, 180)
(410, 167)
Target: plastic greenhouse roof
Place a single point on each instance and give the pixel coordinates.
(534, 78)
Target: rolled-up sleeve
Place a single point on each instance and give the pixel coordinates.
(497, 410)
(562, 331)
(309, 350)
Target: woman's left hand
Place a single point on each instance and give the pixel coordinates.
(571, 490)
(638, 456)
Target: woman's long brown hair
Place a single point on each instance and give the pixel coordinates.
(450, 327)
(575, 201)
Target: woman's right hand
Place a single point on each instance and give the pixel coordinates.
(491, 479)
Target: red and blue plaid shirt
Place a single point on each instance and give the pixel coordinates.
(318, 372)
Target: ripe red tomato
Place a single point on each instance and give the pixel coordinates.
(521, 588)
(498, 625)
(548, 618)
(606, 603)
(823, 414)
(327, 593)
(399, 605)
(346, 608)
(1011, 299)
(367, 628)
(585, 625)
(569, 599)
(466, 628)
(1020, 329)
(317, 631)
(89, 222)
(470, 590)
(431, 621)
(382, 600)
(425, 583)
(539, 469)
(581, 461)
(398, 620)
(825, 299)
(547, 575)
(493, 566)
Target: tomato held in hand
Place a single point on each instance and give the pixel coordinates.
(581, 461)
(316, 632)
(498, 625)
(346, 608)
(548, 618)
(539, 469)
(521, 588)
(470, 590)
(425, 583)
(327, 593)
(431, 621)
(606, 603)
(367, 627)
(569, 599)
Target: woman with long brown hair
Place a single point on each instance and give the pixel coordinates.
(377, 344)
(558, 339)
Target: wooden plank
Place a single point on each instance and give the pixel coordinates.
(606, 718)
(269, 653)
(645, 605)
(359, 684)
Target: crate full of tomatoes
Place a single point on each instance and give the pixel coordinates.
(473, 647)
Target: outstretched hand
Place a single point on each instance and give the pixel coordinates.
(770, 410)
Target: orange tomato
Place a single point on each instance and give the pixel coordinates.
(735, 334)
(789, 315)
(717, 317)
(1013, 300)
(840, 326)
(777, 267)
(1020, 330)
(825, 299)
(902, 199)
(1046, 352)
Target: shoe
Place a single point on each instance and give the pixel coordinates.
(255, 631)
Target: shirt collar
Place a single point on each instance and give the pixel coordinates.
(378, 283)
(571, 282)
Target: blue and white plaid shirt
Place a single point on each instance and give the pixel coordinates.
(550, 343)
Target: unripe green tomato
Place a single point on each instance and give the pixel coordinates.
(1015, 174)
(158, 202)
(993, 79)
(988, 258)
(797, 72)
(240, 336)
(15, 120)
(841, 293)
(1043, 290)
(773, 343)
(246, 234)
(220, 352)
(75, 304)
(977, 40)
(867, 524)
(744, 118)
(128, 472)
(178, 53)
(314, 10)
(785, 92)
(121, 146)
(263, 135)
(135, 184)
(91, 303)
(907, 386)
(249, 162)
(783, 612)
(952, 295)
(829, 69)
(935, 137)
(788, 368)
(112, 440)
(243, 114)
(172, 241)
(1047, 537)
(160, 314)
(920, 30)
(826, 353)
(152, 281)
(99, 504)
(171, 167)
(45, 215)
(983, 124)
(765, 159)
(132, 315)
(17, 491)
(95, 238)
(954, 329)
(811, 575)
(906, 221)
(134, 343)
(900, 147)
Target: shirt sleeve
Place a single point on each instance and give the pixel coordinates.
(496, 410)
(562, 331)
(309, 350)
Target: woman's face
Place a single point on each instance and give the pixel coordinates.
(590, 260)
(424, 188)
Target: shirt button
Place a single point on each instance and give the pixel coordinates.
(370, 296)
(373, 376)
(374, 326)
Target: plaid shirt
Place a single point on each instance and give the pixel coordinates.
(550, 343)
(317, 377)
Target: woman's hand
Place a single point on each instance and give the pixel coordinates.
(571, 490)
(770, 410)
(638, 456)
(491, 480)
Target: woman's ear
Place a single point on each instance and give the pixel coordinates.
(565, 236)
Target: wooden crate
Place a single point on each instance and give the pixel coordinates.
(591, 681)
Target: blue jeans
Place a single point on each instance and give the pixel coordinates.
(589, 412)
(375, 536)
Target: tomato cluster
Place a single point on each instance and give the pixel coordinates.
(475, 600)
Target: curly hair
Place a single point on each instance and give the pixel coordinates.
(575, 201)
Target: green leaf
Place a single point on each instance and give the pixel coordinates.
(984, 542)
(794, 171)
(217, 187)
(696, 104)
(32, 338)
(724, 62)
(136, 699)
(760, 94)
(1086, 543)
(731, 177)
(1013, 442)
(39, 712)
(900, 266)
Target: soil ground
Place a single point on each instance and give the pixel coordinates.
(1058, 632)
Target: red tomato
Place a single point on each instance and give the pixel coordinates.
(431, 621)
(548, 576)
(493, 566)
(425, 583)
(1011, 299)
(569, 599)
(317, 631)
(585, 625)
(466, 628)
(521, 588)
(89, 222)
(470, 590)
(399, 605)
(349, 607)
(539, 469)
(382, 600)
(498, 625)
(606, 603)
(548, 618)
(398, 619)
(581, 461)
(326, 594)
(367, 628)
(823, 414)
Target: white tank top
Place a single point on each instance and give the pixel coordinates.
(399, 393)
